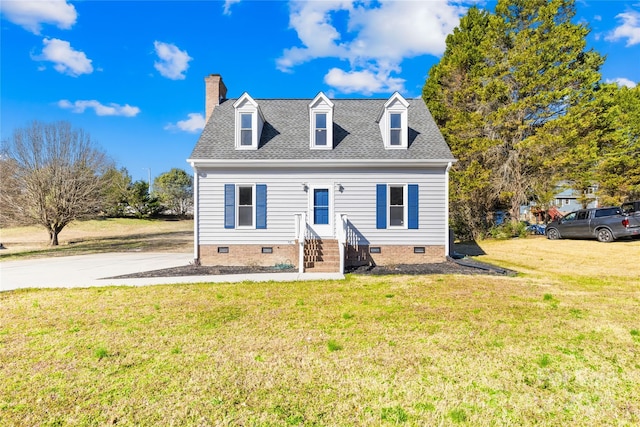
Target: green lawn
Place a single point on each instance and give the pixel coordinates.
(425, 350)
(99, 236)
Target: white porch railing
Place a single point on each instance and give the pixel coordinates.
(341, 236)
(303, 232)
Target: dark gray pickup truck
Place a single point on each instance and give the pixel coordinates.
(604, 224)
(632, 211)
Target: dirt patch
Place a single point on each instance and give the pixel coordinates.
(448, 267)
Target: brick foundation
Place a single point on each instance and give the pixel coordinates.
(248, 255)
(288, 254)
(394, 255)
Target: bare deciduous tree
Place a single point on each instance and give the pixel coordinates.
(58, 173)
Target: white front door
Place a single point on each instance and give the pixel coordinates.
(321, 210)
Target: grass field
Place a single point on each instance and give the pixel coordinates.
(558, 345)
(95, 236)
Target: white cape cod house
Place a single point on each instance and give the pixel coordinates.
(319, 183)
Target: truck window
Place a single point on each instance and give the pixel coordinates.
(569, 217)
(583, 215)
(628, 208)
(607, 212)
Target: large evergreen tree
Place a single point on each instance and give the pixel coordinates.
(618, 166)
(503, 80)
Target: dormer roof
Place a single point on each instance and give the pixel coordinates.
(356, 133)
(247, 100)
(394, 100)
(319, 101)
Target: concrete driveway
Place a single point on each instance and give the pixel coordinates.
(82, 271)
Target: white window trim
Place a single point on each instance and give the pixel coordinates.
(320, 104)
(405, 203)
(253, 207)
(396, 104)
(246, 105)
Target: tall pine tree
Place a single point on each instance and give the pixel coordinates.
(503, 79)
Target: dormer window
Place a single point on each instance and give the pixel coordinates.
(246, 129)
(321, 123)
(321, 129)
(248, 123)
(395, 129)
(393, 122)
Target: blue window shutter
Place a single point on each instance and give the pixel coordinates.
(261, 206)
(229, 206)
(381, 206)
(413, 206)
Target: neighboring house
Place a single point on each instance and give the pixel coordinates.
(319, 183)
(566, 200)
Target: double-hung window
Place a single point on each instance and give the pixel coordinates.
(395, 129)
(397, 206)
(321, 129)
(249, 122)
(245, 206)
(246, 130)
(321, 123)
(394, 123)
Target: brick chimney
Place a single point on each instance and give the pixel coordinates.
(215, 90)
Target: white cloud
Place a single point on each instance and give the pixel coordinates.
(622, 81)
(194, 123)
(227, 6)
(31, 14)
(365, 82)
(100, 109)
(629, 28)
(173, 62)
(373, 37)
(66, 59)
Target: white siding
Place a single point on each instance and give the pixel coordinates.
(286, 197)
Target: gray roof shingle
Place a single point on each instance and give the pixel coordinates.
(356, 133)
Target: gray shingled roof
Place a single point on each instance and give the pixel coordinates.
(356, 133)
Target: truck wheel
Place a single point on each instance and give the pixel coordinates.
(604, 235)
(553, 234)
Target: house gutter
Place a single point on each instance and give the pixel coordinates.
(196, 203)
(448, 233)
(324, 163)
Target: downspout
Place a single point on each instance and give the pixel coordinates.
(196, 245)
(447, 245)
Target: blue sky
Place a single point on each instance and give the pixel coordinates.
(131, 73)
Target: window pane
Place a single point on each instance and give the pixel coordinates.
(321, 137)
(246, 121)
(396, 215)
(245, 137)
(321, 197)
(321, 215)
(396, 121)
(321, 206)
(245, 215)
(396, 196)
(321, 121)
(395, 137)
(245, 197)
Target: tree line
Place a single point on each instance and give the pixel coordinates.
(52, 174)
(521, 102)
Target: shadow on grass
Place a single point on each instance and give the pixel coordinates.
(147, 242)
(470, 248)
